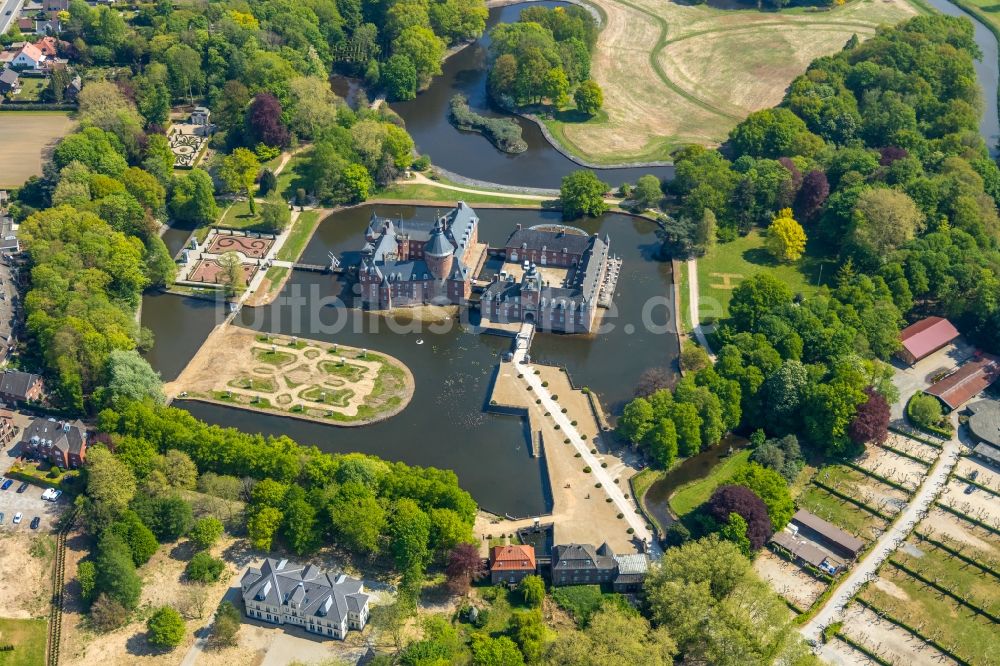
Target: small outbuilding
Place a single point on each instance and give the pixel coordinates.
(829, 536)
(923, 338)
(510, 564)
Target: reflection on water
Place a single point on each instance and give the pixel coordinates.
(445, 425)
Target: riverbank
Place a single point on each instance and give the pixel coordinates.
(294, 377)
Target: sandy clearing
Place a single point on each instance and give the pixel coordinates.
(891, 589)
(943, 526)
(26, 140)
(892, 466)
(25, 572)
(839, 653)
(788, 580)
(980, 504)
(888, 640)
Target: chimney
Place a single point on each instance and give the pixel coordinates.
(517, 226)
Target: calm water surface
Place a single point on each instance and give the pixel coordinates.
(445, 425)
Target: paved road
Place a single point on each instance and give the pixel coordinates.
(887, 543)
(636, 521)
(9, 10)
(692, 269)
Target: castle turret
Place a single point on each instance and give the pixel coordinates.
(439, 253)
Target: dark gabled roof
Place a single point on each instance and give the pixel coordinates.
(47, 434)
(9, 76)
(16, 383)
(574, 241)
(985, 421)
(277, 583)
(828, 531)
(580, 556)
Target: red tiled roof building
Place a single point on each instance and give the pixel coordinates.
(925, 337)
(509, 564)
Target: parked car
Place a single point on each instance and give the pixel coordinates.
(56, 494)
(17, 518)
(974, 475)
(35, 522)
(6, 484)
(24, 486)
(969, 489)
(1, 517)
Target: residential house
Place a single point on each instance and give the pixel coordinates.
(923, 338)
(510, 564)
(7, 428)
(28, 57)
(968, 381)
(10, 81)
(321, 603)
(72, 89)
(582, 564)
(62, 443)
(26, 25)
(17, 386)
(55, 5)
(48, 45)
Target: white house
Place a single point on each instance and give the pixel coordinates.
(28, 56)
(320, 603)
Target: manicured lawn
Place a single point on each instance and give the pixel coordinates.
(968, 634)
(581, 601)
(840, 512)
(421, 192)
(290, 178)
(643, 480)
(692, 495)
(31, 89)
(29, 640)
(298, 237)
(723, 268)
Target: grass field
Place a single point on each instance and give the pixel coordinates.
(971, 583)
(726, 264)
(937, 616)
(841, 513)
(28, 638)
(421, 192)
(26, 139)
(689, 497)
(674, 73)
(298, 237)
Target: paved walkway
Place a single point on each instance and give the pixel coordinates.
(866, 569)
(699, 334)
(635, 520)
(420, 179)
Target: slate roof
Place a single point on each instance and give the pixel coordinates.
(828, 531)
(536, 239)
(632, 564)
(971, 379)
(439, 245)
(9, 77)
(278, 582)
(987, 451)
(47, 434)
(16, 383)
(985, 421)
(927, 335)
(581, 556)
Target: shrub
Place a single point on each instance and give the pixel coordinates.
(586, 470)
(564, 410)
(598, 484)
(545, 383)
(166, 628)
(538, 401)
(604, 464)
(583, 437)
(575, 455)
(572, 422)
(204, 568)
(630, 531)
(566, 441)
(620, 516)
(422, 163)
(557, 427)
(555, 397)
(205, 532)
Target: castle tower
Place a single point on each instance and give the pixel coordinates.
(439, 253)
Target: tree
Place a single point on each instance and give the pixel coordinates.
(262, 526)
(300, 526)
(399, 78)
(357, 517)
(464, 566)
(264, 123)
(238, 172)
(661, 442)
(532, 589)
(166, 628)
(501, 651)
(423, 48)
(735, 530)
(647, 193)
(770, 487)
(179, 469)
(275, 217)
(140, 539)
(409, 532)
(786, 240)
(116, 576)
(871, 422)
(193, 198)
(232, 272)
(226, 625)
(169, 517)
(107, 614)
(710, 561)
(885, 219)
(203, 568)
(755, 297)
(925, 410)
(86, 576)
(589, 97)
(130, 377)
(268, 182)
(614, 636)
(705, 231)
(205, 532)
(110, 484)
(740, 499)
(355, 183)
(636, 420)
(812, 195)
(582, 193)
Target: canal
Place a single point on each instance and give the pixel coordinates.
(446, 424)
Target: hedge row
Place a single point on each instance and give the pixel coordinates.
(900, 452)
(900, 623)
(956, 553)
(915, 436)
(863, 650)
(971, 482)
(879, 477)
(33, 106)
(968, 518)
(913, 573)
(847, 498)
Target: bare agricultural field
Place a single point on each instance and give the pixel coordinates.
(889, 641)
(790, 581)
(674, 73)
(26, 139)
(984, 475)
(892, 466)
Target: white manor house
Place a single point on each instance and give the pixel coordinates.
(306, 596)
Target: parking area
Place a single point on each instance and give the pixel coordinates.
(917, 377)
(30, 504)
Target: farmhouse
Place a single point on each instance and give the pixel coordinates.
(62, 443)
(581, 564)
(413, 263)
(510, 564)
(321, 603)
(923, 338)
(17, 386)
(968, 381)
